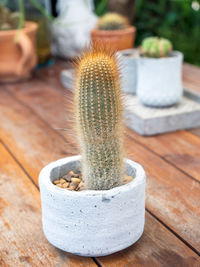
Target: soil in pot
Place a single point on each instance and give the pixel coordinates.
(73, 181)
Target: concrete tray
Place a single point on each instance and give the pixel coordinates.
(151, 121)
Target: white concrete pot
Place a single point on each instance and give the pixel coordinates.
(128, 61)
(159, 80)
(89, 222)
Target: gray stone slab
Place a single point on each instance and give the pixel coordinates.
(151, 121)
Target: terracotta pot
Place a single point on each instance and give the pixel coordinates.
(117, 40)
(18, 57)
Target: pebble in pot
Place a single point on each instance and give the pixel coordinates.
(159, 73)
(128, 59)
(108, 215)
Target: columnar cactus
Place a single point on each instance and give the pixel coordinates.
(156, 47)
(112, 21)
(99, 120)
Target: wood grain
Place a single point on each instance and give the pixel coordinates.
(195, 131)
(181, 149)
(171, 194)
(31, 140)
(22, 242)
(191, 77)
(151, 251)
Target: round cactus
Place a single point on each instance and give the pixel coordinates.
(8, 20)
(14, 19)
(112, 21)
(99, 120)
(156, 47)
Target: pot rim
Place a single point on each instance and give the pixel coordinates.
(45, 180)
(130, 29)
(172, 55)
(29, 26)
(122, 53)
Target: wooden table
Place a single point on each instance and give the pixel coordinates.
(36, 127)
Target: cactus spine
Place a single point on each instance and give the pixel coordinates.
(156, 47)
(99, 120)
(112, 21)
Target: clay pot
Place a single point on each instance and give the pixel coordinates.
(18, 53)
(117, 40)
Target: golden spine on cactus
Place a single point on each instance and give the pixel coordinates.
(99, 120)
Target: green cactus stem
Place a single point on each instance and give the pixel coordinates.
(156, 47)
(99, 120)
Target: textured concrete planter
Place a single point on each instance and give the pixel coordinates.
(159, 80)
(128, 59)
(92, 223)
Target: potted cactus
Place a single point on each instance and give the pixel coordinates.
(159, 73)
(115, 31)
(108, 215)
(18, 53)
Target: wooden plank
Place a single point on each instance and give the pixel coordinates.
(33, 142)
(181, 149)
(195, 131)
(51, 75)
(165, 251)
(171, 195)
(191, 77)
(167, 187)
(22, 242)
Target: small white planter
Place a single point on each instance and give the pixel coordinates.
(128, 59)
(159, 80)
(89, 222)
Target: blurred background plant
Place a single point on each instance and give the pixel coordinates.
(40, 12)
(176, 20)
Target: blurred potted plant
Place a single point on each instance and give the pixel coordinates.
(108, 214)
(71, 29)
(159, 73)
(114, 31)
(128, 59)
(18, 53)
(39, 11)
